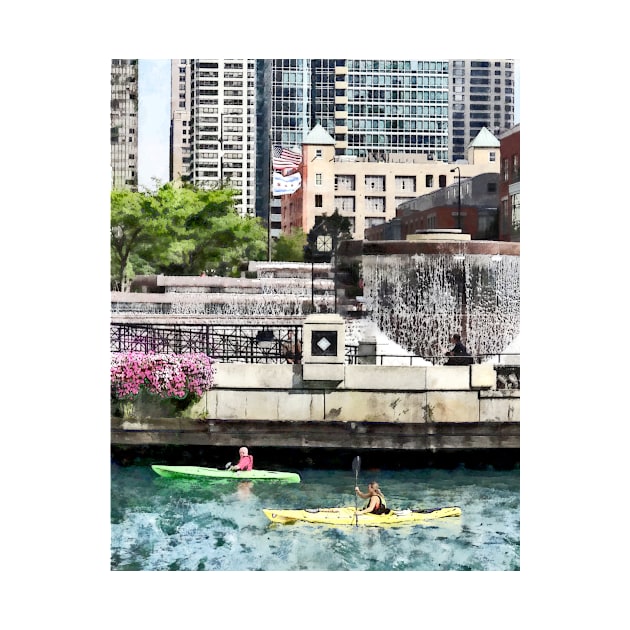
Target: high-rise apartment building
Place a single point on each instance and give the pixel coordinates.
(371, 107)
(213, 125)
(481, 94)
(124, 123)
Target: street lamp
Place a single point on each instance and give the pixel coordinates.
(221, 149)
(323, 246)
(459, 196)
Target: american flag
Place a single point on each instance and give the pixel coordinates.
(284, 158)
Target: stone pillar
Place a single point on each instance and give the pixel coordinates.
(323, 347)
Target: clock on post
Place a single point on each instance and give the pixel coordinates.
(324, 243)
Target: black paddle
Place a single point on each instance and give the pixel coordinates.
(356, 466)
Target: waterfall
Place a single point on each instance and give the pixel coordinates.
(419, 301)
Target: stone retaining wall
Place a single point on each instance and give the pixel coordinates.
(407, 407)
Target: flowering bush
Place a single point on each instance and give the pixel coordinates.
(168, 375)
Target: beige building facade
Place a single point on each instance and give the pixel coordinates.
(368, 192)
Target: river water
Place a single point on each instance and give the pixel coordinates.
(160, 524)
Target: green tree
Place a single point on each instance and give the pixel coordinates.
(222, 239)
(181, 231)
(335, 226)
(290, 247)
(135, 229)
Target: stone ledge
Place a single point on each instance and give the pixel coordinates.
(343, 435)
(500, 393)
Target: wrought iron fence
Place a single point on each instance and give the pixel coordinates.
(250, 343)
(224, 342)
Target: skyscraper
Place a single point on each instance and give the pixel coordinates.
(371, 107)
(213, 125)
(124, 123)
(481, 95)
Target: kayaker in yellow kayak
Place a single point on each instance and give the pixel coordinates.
(376, 503)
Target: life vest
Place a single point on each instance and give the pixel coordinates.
(246, 465)
(381, 508)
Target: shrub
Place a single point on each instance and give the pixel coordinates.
(167, 375)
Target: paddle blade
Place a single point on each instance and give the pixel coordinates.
(356, 465)
(228, 465)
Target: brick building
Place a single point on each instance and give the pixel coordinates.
(510, 185)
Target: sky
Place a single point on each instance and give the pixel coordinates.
(154, 119)
(154, 88)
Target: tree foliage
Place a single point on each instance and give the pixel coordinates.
(181, 231)
(290, 247)
(335, 225)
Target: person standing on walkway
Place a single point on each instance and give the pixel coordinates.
(458, 355)
(292, 349)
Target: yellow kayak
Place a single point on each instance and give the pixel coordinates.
(348, 516)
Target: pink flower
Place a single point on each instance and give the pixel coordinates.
(168, 375)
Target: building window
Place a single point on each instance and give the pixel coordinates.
(372, 221)
(318, 153)
(516, 211)
(408, 184)
(492, 187)
(428, 181)
(318, 201)
(318, 179)
(375, 183)
(344, 204)
(344, 182)
(375, 204)
(493, 156)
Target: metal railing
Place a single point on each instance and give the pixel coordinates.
(226, 343)
(505, 358)
(250, 343)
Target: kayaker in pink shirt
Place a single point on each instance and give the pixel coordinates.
(246, 461)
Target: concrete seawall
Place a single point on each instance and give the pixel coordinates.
(433, 408)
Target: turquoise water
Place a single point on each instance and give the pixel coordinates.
(160, 524)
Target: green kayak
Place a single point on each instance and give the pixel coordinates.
(217, 473)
